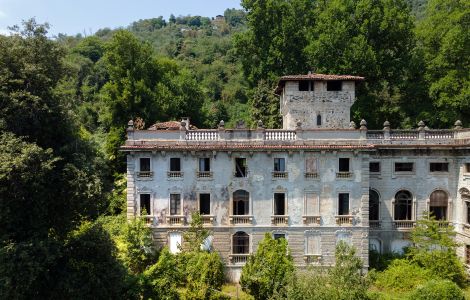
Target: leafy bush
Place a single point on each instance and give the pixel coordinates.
(380, 261)
(267, 271)
(402, 275)
(437, 290)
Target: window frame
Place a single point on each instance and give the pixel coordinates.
(247, 207)
(199, 203)
(334, 86)
(150, 163)
(170, 164)
(274, 203)
(180, 204)
(339, 204)
(339, 164)
(379, 168)
(248, 244)
(442, 163)
(285, 164)
(316, 195)
(139, 211)
(411, 205)
(245, 172)
(205, 159)
(401, 172)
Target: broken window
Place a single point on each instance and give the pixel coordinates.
(403, 205)
(344, 164)
(204, 164)
(175, 164)
(374, 167)
(240, 243)
(145, 204)
(175, 204)
(318, 120)
(240, 167)
(279, 204)
(343, 204)
(312, 205)
(279, 164)
(373, 205)
(144, 164)
(439, 167)
(403, 167)
(438, 204)
(277, 236)
(303, 85)
(241, 201)
(205, 204)
(334, 85)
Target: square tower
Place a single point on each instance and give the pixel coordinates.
(317, 100)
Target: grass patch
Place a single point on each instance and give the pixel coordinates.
(230, 289)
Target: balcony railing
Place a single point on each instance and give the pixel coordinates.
(311, 220)
(404, 134)
(238, 258)
(149, 220)
(280, 135)
(343, 174)
(145, 174)
(279, 174)
(204, 174)
(311, 175)
(344, 220)
(174, 174)
(202, 135)
(279, 220)
(240, 220)
(312, 258)
(175, 220)
(404, 224)
(374, 224)
(207, 220)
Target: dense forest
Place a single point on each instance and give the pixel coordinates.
(65, 102)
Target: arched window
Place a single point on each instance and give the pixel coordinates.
(403, 205)
(318, 120)
(438, 204)
(240, 243)
(241, 202)
(373, 205)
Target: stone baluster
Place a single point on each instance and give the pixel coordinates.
(260, 130)
(386, 130)
(298, 130)
(352, 125)
(183, 131)
(363, 129)
(421, 130)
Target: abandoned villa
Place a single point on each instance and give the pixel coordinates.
(319, 180)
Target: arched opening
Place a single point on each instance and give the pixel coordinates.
(403, 205)
(241, 202)
(373, 205)
(240, 243)
(438, 205)
(318, 120)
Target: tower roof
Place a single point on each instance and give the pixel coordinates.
(315, 76)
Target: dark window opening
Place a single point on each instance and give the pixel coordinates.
(204, 164)
(373, 205)
(145, 204)
(467, 254)
(205, 204)
(241, 201)
(240, 243)
(468, 212)
(318, 120)
(277, 236)
(303, 85)
(343, 204)
(240, 167)
(403, 167)
(175, 204)
(439, 167)
(145, 164)
(279, 165)
(438, 205)
(334, 85)
(374, 167)
(175, 164)
(279, 204)
(344, 164)
(467, 168)
(403, 205)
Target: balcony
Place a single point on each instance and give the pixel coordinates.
(344, 220)
(374, 224)
(311, 175)
(175, 220)
(312, 259)
(207, 220)
(279, 174)
(311, 220)
(238, 259)
(404, 224)
(204, 175)
(149, 220)
(241, 219)
(145, 174)
(343, 175)
(280, 220)
(174, 174)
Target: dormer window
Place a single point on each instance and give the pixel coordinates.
(334, 85)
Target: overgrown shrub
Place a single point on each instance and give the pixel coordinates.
(380, 261)
(442, 289)
(402, 276)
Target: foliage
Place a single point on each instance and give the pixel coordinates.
(380, 261)
(196, 235)
(264, 105)
(266, 271)
(204, 274)
(402, 275)
(437, 290)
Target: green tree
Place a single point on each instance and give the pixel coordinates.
(264, 106)
(195, 236)
(267, 271)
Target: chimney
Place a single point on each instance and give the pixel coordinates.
(186, 120)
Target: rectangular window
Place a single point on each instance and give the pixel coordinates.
(240, 167)
(344, 164)
(313, 244)
(439, 167)
(343, 204)
(175, 164)
(279, 204)
(277, 236)
(204, 164)
(403, 167)
(374, 167)
(144, 164)
(311, 165)
(175, 204)
(303, 85)
(312, 205)
(334, 85)
(145, 204)
(205, 204)
(279, 164)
